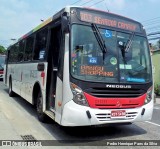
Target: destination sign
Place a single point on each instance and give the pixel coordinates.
(109, 20)
(95, 70)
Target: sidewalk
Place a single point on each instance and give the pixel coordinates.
(157, 100)
(7, 131)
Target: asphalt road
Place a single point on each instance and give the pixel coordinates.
(18, 118)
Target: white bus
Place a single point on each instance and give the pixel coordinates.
(84, 67)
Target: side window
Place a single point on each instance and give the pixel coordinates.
(29, 49)
(21, 50)
(40, 47)
(16, 50)
(13, 53)
(10, 54)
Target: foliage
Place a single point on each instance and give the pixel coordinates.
(156, 46)
(157, 88)
(2, 49)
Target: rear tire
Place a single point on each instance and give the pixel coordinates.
(39, 106)
(11, 93)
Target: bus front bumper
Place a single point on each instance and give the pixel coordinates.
(77, 115)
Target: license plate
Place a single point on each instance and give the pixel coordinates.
(118, 113)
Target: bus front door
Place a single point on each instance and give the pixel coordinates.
(54, 50)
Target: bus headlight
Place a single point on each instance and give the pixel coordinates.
(149, 95)
(78, 96)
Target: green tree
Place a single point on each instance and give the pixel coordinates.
(156, 45)
(2, 49)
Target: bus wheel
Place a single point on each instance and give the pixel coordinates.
(39, 107)
(11, 93)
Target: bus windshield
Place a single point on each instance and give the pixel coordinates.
(126, 59)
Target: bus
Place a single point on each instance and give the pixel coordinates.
(2, 59)
(83, 67)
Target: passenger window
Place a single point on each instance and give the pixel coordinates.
(29, 49)
(10, 54)
(21, 51)
(40, 47)
(16, 50)
(13, 53)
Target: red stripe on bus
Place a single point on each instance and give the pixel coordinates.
(1, 72)
(112, 103)
(43, 77)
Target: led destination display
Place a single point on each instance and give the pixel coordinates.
(109, 20)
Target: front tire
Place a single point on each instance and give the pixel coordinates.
(39, 106)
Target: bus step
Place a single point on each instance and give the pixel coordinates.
(50, 114)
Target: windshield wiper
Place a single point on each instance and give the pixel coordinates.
(127, 47)
(100, 40)
(129, 43)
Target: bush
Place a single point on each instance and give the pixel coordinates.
(157, 89)
(2, 50)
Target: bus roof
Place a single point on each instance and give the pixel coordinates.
(37, 28)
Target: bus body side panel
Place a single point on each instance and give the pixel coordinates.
(22, 90)
(24, 77)
(17, 78)
(11, 75)
(59, 100)
(14, 70)
(4, 76)
(8, 74)
(67, 94)
(30, 75)
(43, 82)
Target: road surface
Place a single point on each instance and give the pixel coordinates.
(18, 118)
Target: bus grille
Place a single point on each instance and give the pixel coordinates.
(114, 92)
(102, 117)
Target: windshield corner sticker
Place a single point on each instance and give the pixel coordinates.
(108, 34)
(92, 60)
(113, 61)
(141, 80)
(73, 55)
(122, 78)
(41, 54)
(122, 66)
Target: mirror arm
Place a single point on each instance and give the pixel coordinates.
(65, 22)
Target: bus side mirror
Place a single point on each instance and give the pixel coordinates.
(79, 48)
(121, 44)
(65, 23)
